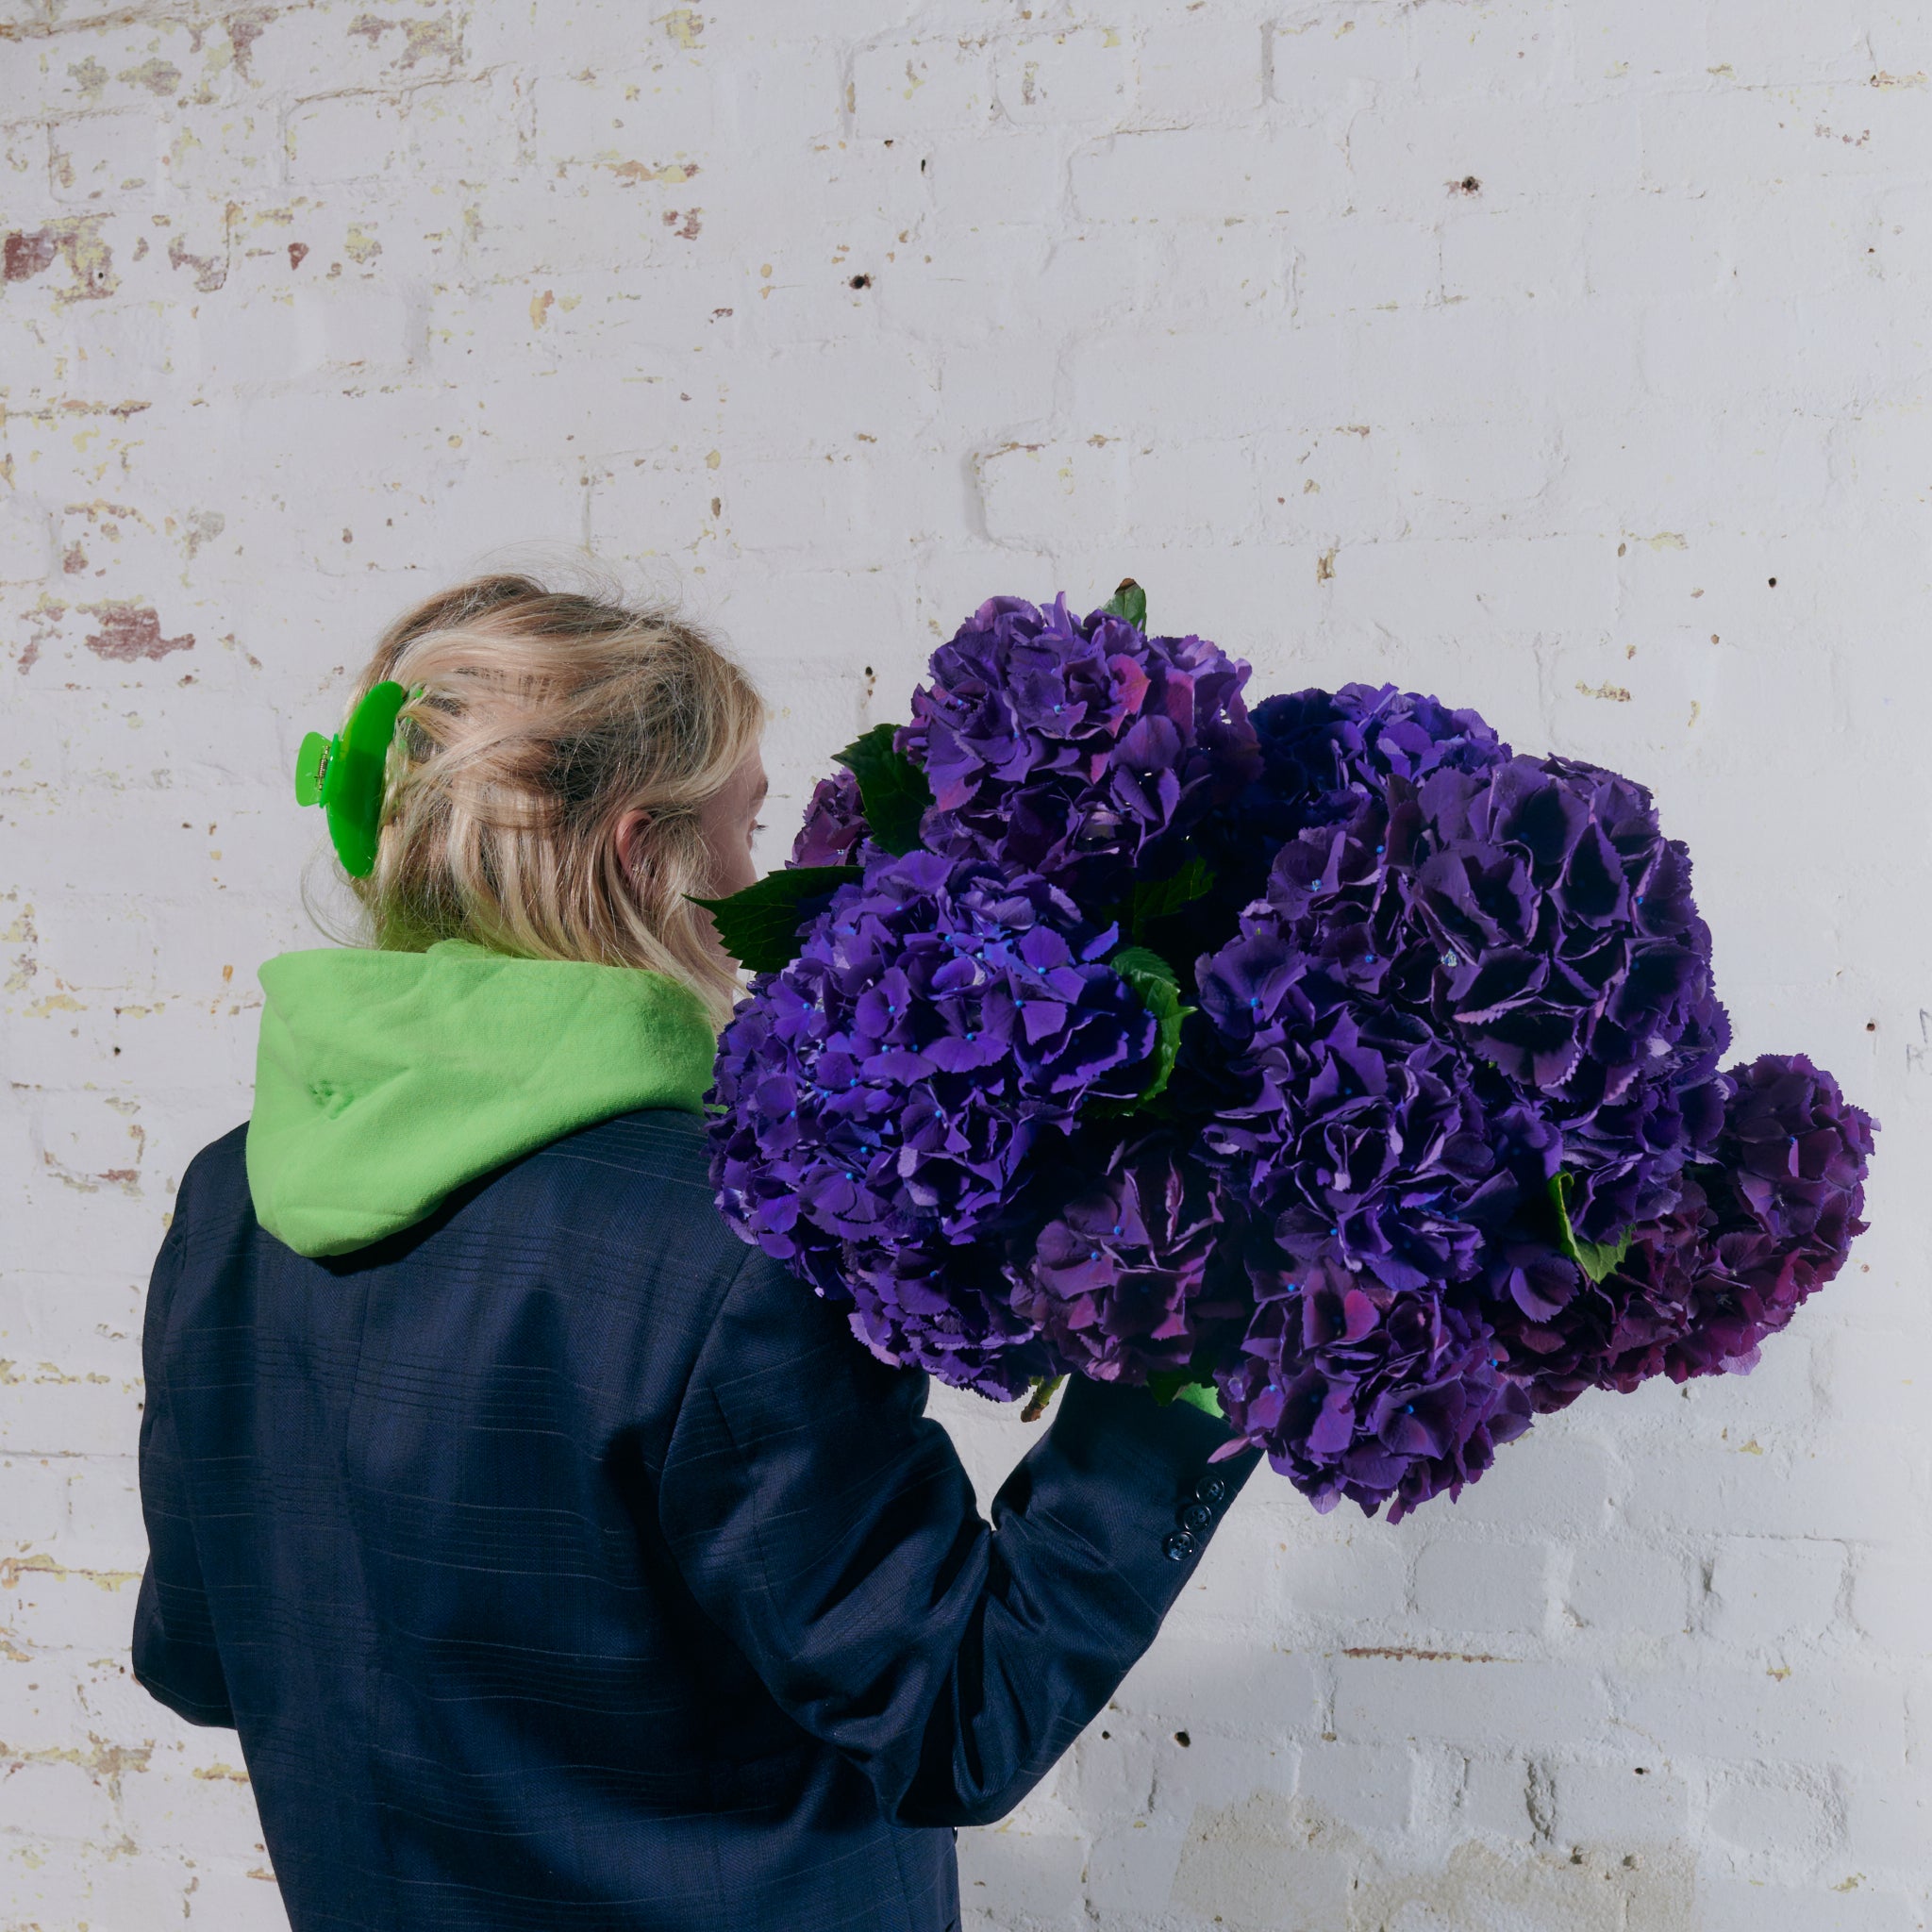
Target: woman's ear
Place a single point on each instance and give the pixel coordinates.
(630, 830)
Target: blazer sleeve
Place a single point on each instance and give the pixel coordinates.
(826, 1525)
(175, 1653)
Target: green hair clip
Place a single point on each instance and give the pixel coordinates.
(345, 775)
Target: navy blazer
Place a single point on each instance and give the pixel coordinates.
(564, 1564)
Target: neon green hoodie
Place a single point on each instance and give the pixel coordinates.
(386, 1081)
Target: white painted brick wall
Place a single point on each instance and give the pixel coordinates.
(1506, 350)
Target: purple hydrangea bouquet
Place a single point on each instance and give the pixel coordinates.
(1329, 1064)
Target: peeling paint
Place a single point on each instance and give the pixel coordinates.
(26, 253)
(14, 1568)
(243, 29)
(159, 76)
(673, 174)
(683, 25)
(129, 632)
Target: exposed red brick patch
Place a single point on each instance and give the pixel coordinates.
(28, 253)
(299, 253)
(1428, 1657)
(132, 631)
(245, 29)
(210, 272)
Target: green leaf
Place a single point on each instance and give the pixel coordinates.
(1130, 601)
(1598, 1259)
(1183, 1385)
(1163, 898)
(759, 927)
(891, 788)
(1153, 980)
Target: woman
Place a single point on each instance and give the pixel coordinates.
(560, 1561)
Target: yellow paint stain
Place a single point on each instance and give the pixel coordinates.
(14, 1568)
(672, 174)
(1666, 540)
(157, 76)
(1324, 566)
(713, 460)
(1615, 694)
(360, 246)
(1347, 27)
(685, 26)
(1883, 80)
(540, 307)
(59, 1003)
(90, 76)
(211, 1773)
(1110, 37)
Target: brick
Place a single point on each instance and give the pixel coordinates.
(1487, 1702)
(1257, 1863)
(1222, 1687)
(1462, 1584)
(1889, 1822)
(1620, 1804)
(1373, 1787)
(1771, 1590)
(1065, 79)
(916, 88)
(1773, 1827)
(1333, 58)
(1200, 69)
(1006, 1871)
(1072, 488)
(1890, 1591)
(1627, 1587)
(1744, 1905)
(1203, 174)
(1812, 1713)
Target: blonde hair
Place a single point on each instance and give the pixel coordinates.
(538, 719)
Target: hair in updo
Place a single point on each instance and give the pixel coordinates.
(544, 716)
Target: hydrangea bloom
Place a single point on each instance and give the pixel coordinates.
(834, 824)
(1357, 1391)
(1572, 959)
(1349, 1125)
(1122, 1278)
(1321, 754)
(883, 1092)
(1077, 748)
(1753, 1236)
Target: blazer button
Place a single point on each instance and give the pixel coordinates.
(1212, 1489)
(1197, 1516)
(1179, 1547)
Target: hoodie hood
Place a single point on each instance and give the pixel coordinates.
(385, 1081)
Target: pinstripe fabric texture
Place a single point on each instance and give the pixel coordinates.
(564, 1564)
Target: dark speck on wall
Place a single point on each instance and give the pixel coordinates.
(1181, 1737)
(861, 281)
